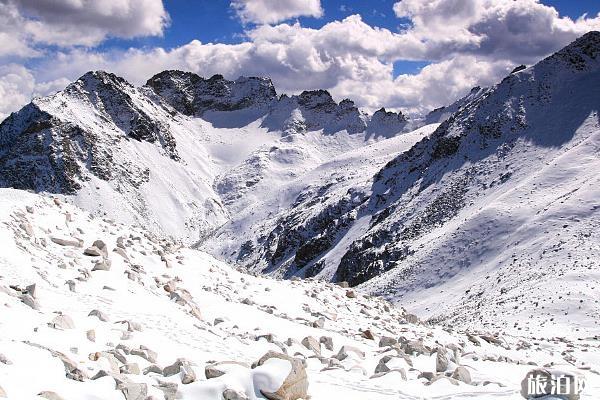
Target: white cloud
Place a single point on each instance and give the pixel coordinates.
(16, 87)
(79, 22)
(519, 30)
(273, 11)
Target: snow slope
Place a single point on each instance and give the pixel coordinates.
(476, 223)
(159, 302)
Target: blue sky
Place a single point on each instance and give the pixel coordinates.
(412, 55)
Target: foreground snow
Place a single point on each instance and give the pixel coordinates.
(181, 303)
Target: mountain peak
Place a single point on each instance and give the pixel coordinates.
(191, 94)
(580, 54)
(92, 79)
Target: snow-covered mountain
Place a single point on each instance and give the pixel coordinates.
(94, 309)
(470, 216)
(475, 223)
(143, 156)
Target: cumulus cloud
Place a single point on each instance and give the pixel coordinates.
(79, 22)
(16, 87)
(519, 30)
(273, 11)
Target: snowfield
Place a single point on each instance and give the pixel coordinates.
(167, 318)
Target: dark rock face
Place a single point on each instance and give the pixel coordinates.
(576, 54)
(42, 152)
(299, 239)
(108, 92)
(386, 123)
(191, 94)
(39, 153)
(314, 110)
(429, 185)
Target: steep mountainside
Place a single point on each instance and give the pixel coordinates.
(477, 221)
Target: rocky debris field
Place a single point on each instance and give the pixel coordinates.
(93, 309)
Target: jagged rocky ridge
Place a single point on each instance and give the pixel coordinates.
(312, 110)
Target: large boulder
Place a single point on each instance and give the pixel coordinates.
(345, 352)
(67, 241)
(462, 374)
(441, 360)
(312, 344)
(295, 385)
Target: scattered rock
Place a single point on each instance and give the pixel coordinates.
(215, 370)
(414, 347)
(473, 339)
(121, 252)
(411, 318)
(319, 323)
(441, 360)
(67, 241)
(152, 368)
(230, 394)
(169, 389)
(187, 373)
(350, 294)
(93, 251)
(327, 342)
(427, 375)
(130, 368)
(133, 391)
(30, 289)
(145, 353)
(368, 334)
(312, 344)
(29, 301)
(462, 374)
(62, 322)
(550, 384)
(439, 377)
(173, 369)
(386, 341)
(103, 265)
(91, 335)
(99, 314)
(50, 395)
(4, 360)
(346, 350)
